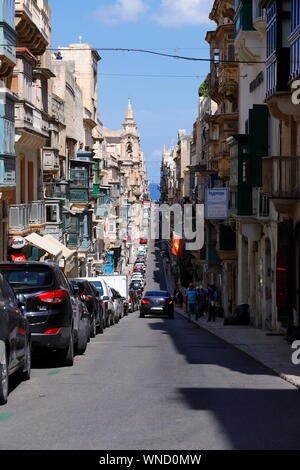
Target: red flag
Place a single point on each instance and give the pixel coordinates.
(177, 245)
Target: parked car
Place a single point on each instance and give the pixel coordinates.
(138, 270)
(157, 302)
(105, 295)
(136, 284)
(140, 265)
(118, 304)
(119, 282)
(143, 241)
(53, 311)
(90, 297)
(15, 339)
(136, 278)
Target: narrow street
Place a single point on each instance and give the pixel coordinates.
(153, 383)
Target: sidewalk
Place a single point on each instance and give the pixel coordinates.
(274, 352)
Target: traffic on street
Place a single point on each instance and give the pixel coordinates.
(152, 382)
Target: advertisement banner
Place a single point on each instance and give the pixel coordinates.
(216, 203)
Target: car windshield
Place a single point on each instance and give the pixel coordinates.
(157, 293)
(98, 286)
(35, 276)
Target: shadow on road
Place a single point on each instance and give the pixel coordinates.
(264, 419)
(261, 418)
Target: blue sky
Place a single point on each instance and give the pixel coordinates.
(161, 105)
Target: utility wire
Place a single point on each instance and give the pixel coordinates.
(143, 51)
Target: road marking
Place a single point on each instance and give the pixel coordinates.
(5, 416)
(54, 372)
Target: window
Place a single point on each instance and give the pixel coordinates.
(52, 213)
(295, 14)
(33, 277)
(79, 177)
(98, 286)
(295, 58)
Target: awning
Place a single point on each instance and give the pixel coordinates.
(66, 252)
(44, 244)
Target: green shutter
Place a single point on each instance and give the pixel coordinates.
(258, 140)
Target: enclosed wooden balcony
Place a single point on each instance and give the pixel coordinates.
(33, 25)
(24, 218)
(281, 180)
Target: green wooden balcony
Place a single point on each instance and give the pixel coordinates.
(79, 195)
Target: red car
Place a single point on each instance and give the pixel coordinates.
(143, 241)
(138, 270)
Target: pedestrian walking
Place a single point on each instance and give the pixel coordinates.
(191, 301)
(201, 297)
(178, 296)
(212, 297)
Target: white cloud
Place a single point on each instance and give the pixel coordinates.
(174, 13)
(122, 11)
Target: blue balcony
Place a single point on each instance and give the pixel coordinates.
(7, 139)
(7, 37)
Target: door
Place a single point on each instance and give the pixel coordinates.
(22, 180)
(30, 181)
(9, 324)
(18, 318)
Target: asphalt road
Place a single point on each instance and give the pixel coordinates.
(153, 383)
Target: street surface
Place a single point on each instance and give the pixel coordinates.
(153, 383)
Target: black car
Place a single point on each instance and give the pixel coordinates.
(157, 301)
(136, 285)
(90, 296)
(15, 339)
(55, 315)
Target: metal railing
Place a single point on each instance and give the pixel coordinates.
(280, 176)
(37, 214)
(19, 217)
(22, 216)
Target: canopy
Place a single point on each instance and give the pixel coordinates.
(66, 252)
(44, 244)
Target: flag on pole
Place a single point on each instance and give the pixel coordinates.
(177, 245)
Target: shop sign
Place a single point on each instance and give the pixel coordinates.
(17, 242)
(18, 257)
(216, 203)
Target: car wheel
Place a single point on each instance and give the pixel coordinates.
(112, 320)
(26, 372)
(66, 356)
(93, 330)
(142, 315)
(82, 343)
(4, 381)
